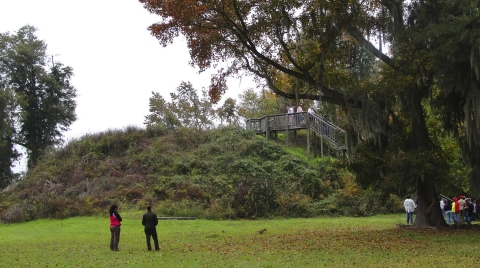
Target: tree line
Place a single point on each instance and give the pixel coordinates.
(186, 109)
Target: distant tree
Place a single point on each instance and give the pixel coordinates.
(186, 109)
(228, 112)
(38, 99)
(192, 110)
(160, 113)
(256, 105)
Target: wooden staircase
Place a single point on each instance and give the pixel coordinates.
(329, 133)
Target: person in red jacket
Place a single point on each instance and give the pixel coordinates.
(115, 220)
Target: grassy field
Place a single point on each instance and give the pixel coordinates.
(322, 242)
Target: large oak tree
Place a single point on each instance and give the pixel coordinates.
(319, 46)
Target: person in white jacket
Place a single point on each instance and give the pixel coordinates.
(290, 116)
(409, 208)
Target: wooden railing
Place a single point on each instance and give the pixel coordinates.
(327, 131)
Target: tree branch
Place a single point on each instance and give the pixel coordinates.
(368, 45)
(329, 95)
(285, 48)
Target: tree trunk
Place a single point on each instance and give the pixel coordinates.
(428, 204)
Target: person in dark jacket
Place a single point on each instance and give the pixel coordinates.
(448, 212)
(115, 220)
(150, 222)
(469, 213)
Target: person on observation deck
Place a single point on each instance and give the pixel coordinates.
(290, 112)
(299, 114)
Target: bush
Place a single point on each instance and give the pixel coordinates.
(294, 205)
(18, 212)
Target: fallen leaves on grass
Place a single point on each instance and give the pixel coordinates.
(394, 246)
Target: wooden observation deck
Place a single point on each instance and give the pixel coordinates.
(329, 133)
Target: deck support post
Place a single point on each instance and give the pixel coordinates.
(321, 141)
(286, 130)
(308, 136)
(267, 131)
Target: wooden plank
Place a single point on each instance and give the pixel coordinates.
(176, 218)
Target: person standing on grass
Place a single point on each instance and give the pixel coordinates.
(115, 220)
(467, 204)
(409, 208)
(475, 210)
(442, 206)
(448, 211)
(469, 212)
(150, 222)
(455, 210)
(461, 215)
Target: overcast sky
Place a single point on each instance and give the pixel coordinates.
(117, 63)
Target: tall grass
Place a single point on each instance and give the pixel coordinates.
(321, 242)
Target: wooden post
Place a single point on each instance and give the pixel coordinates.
(321, 139)
(267, 131)
(286, 130)
(308, 136)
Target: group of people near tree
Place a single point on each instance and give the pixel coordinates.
(149, 220)
(459, 210)
(456, 211)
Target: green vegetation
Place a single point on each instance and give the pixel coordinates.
(321, 242)
(226, 173)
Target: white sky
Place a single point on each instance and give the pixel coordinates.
(116, 62)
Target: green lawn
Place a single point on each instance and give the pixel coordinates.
(322, 242)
